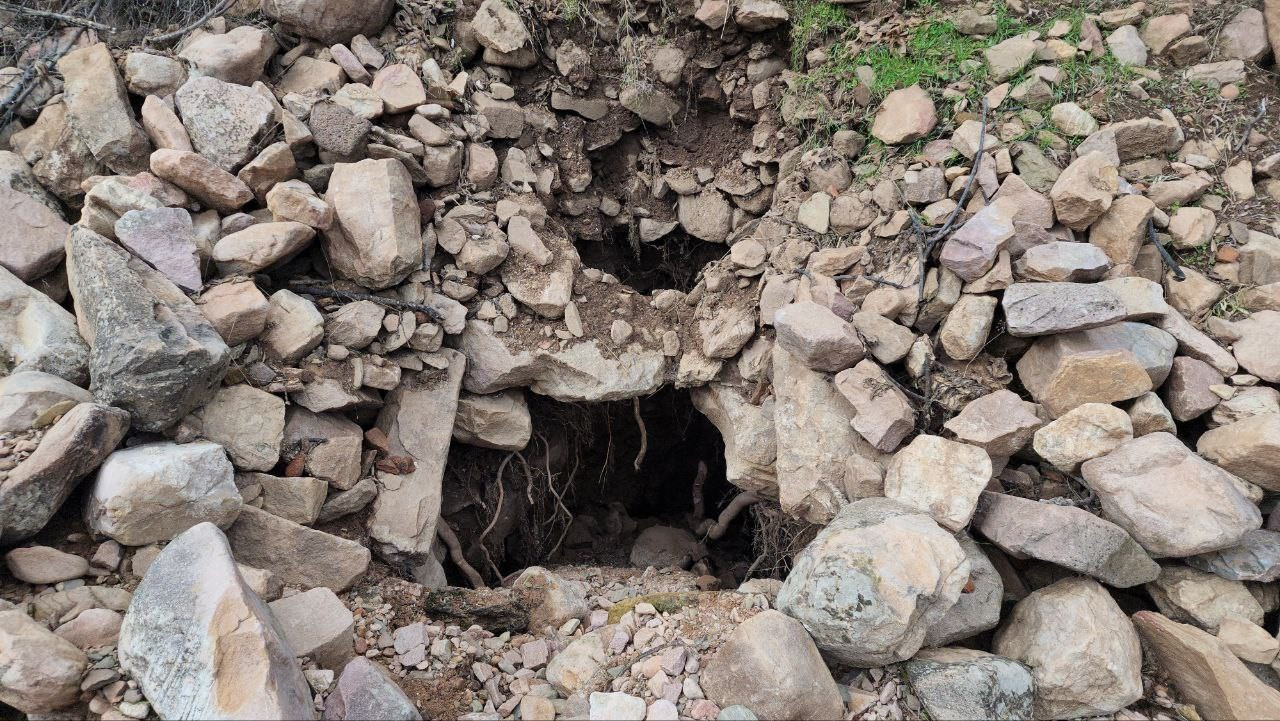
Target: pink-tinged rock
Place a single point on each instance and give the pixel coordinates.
(400, 88)
(971, 251)
(261, 246)
(166, 239)
(1186, 391)
(93, 628)
(881, 413)
(904, 116)
(237, 310)
(210, 184)
(32, 236)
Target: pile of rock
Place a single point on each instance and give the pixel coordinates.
(279, 304)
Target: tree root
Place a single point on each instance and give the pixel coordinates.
(450, 540)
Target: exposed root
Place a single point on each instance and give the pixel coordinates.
(450, 540)
(730, 512)
(644, 434)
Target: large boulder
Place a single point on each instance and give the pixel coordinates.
(377, 239)
(1173, 502)
(41, 671)
(1082, 649)
(870, 584)
(330, 21)
(98, 109)
(954, 684)
(152, 352)
(201, 644)
(770, 665)
(418, 422)
(1064, 535)
(71, 449)
(37, 334)
(155, 491)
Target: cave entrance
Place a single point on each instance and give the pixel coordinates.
(583, 490)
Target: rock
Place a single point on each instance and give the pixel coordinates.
(224, 121)
(375, 244)
(706, 215)
(340, 132)
(904, 116)
(1255, 558)
(162, 125)
(418, 422)
(1171, 501)
(37, 334)
(294, 327)
(817, 337)
(665, 547)
(580, 666)
(400, 88)
(274, 164)
(192, 620)
(261, 246)
(1008, 58)
(32, 241)
(616, 705)
(964, 331)
(315, 623)
(748, 432)
(1187, 391)
(940, 477)
(1127, 46)
(98, 109)
(959, 683)
(1192, 596)
(1033, 309)
(1248, 641)
(1191, 226)
(44, 565)
(498, 27)
(1246, 403)
(1205, 671)
(296, 201)
(93, 628)
(875, 549)
(1000, 423)
(300, 556)
(330, 21)
(770, 665)
(1084, 191)
(248, 423)
(148, 74)
(1083, 652)
(32, 396)
(1251, 345)
(198, 176)
(1121, 231)
(237, 56)
(1193, 343)
(1066, 536)
(881, 413)
(1248, 448)
(971, 251)
(815, 213)
(1086, 431)
(499, 421)
(350, 501)
(42, 671)
(365, 690)
(652, 104)
(1215, 74)
(1064, 373)
(70, 450)
(1162, 30)
(237, 310)
(1244, 37)
(165, 239)
(1073, 120)
(1061, 261)
(552, 600)
(157, 366)
(821, 459)
(330, 443)
(978, 609)
(155, 491)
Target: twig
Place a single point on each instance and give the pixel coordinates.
(874, 279)
(216, 10)
(498, 509)
(60, 17)
(352, 295)
(644, 434)
(1165, 256)
(450, 540)
(1244, 137)
(968, 186)
(730, 512)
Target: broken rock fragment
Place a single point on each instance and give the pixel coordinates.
(940, 477)
(376, 240)
(98, 109)
(300, 556)
(881, 412)
(817, 337)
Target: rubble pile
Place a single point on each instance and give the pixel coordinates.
(1002, 350)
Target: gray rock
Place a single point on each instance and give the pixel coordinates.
(98, 109)
(864, 597)
(500, 421)
(155, 491)
(317, 624)
(1255, 558)
(365, 691)
(37, 334)
(770, 665)
(69, 451)
(41, 671)
(1033, 309)
(977, 610)
(300, 556)
(201, 644)
(225, 121)
(954, 684)
(665, 547)
(349, 501)
(1066, 536)
(31, 395)
(156, 364)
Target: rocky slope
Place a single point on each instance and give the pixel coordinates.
(982, 301)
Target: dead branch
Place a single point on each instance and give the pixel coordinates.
(1244, 136)
(699, 480)
(730, 512)
(450, 540)
(352, 295)
(644, 433)
(1165, 256)
(60, 17)
(214, 11)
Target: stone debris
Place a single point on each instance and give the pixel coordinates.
(347, 314)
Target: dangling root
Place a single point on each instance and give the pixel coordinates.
(644, 434)
(730, 512)
(450, 540)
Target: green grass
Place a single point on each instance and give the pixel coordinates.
(570, 10)
(813, 20)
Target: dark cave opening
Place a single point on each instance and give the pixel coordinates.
(574, 495)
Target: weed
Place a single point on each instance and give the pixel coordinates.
(570, 10)
(1200, 257)
(813, 20)
(1230, 307)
